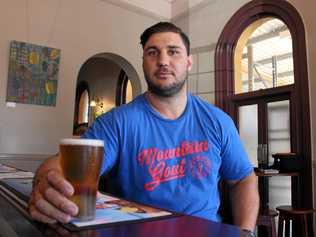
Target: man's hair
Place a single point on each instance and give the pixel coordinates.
(162, 27)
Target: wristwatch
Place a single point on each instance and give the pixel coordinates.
(249, 233)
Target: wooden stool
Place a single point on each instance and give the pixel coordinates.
(267, 218)
(287, 213)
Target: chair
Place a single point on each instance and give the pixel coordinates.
(266, 218)
(107, 182)
(288, 213)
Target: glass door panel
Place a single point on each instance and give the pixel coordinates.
(248, 130)
(279, 140)
(278, 128)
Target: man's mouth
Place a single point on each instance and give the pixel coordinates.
(163, 74)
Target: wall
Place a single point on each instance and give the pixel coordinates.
(204, 23)
(81, 29)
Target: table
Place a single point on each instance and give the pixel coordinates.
(264, 186)
(15, 223)
(264, 193)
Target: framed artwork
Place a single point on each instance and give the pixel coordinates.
(33, 74)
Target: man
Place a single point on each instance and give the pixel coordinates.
(170, 148)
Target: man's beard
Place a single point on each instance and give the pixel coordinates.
(165, 91)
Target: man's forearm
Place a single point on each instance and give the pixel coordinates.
(245, 202)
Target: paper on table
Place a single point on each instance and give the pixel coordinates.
(270, 171)
(6, 169)
(18, 174)
(113, 210)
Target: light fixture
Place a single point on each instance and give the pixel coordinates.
(99, 106)
(93, 103)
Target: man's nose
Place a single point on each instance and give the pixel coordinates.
(163, 59)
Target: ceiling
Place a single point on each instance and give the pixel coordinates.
(163, 9)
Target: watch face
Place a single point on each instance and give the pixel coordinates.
(248, 233)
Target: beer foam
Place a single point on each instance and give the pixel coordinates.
(81, 142)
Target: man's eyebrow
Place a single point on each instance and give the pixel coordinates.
(174, 47)
(168, 46)
(150, 48)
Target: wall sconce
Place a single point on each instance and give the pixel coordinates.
(97, 102)
(98, 107)
(93, 103)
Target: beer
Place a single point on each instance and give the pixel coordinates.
(81, 161)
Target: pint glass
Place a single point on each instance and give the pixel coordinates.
(81, 161)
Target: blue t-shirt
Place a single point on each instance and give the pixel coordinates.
(172, 164)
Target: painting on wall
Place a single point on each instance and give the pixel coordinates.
(33, 74)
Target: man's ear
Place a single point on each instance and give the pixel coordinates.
(190, 62)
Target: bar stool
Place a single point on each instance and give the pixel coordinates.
(266, 218)
(287, 213)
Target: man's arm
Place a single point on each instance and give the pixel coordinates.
(49, 199)
(245, 201)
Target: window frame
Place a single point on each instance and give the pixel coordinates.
(298, 92)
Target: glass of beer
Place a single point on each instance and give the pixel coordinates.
(81, 161)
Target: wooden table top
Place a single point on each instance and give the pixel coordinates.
(14, 223)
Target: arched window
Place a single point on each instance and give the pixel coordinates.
(81, 118)
(261, 81)
(263, 56)
(124, 91)
(83, 113)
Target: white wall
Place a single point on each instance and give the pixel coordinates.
(79, 28)
(204, 22)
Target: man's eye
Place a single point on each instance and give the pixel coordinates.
(152, 53)
(173, 52)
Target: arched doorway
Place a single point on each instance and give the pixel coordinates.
(291, 97)
(98, 80)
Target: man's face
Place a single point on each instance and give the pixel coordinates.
(166, 63)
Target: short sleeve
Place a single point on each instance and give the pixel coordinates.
(235, 163)
(104, 128)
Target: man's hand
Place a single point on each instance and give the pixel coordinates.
(49, 199)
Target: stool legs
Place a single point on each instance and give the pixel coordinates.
(299, 218)
(266, 223)
(273, 229)
(287, 227)
(304, 226)
(280, 229)
(282, 219)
